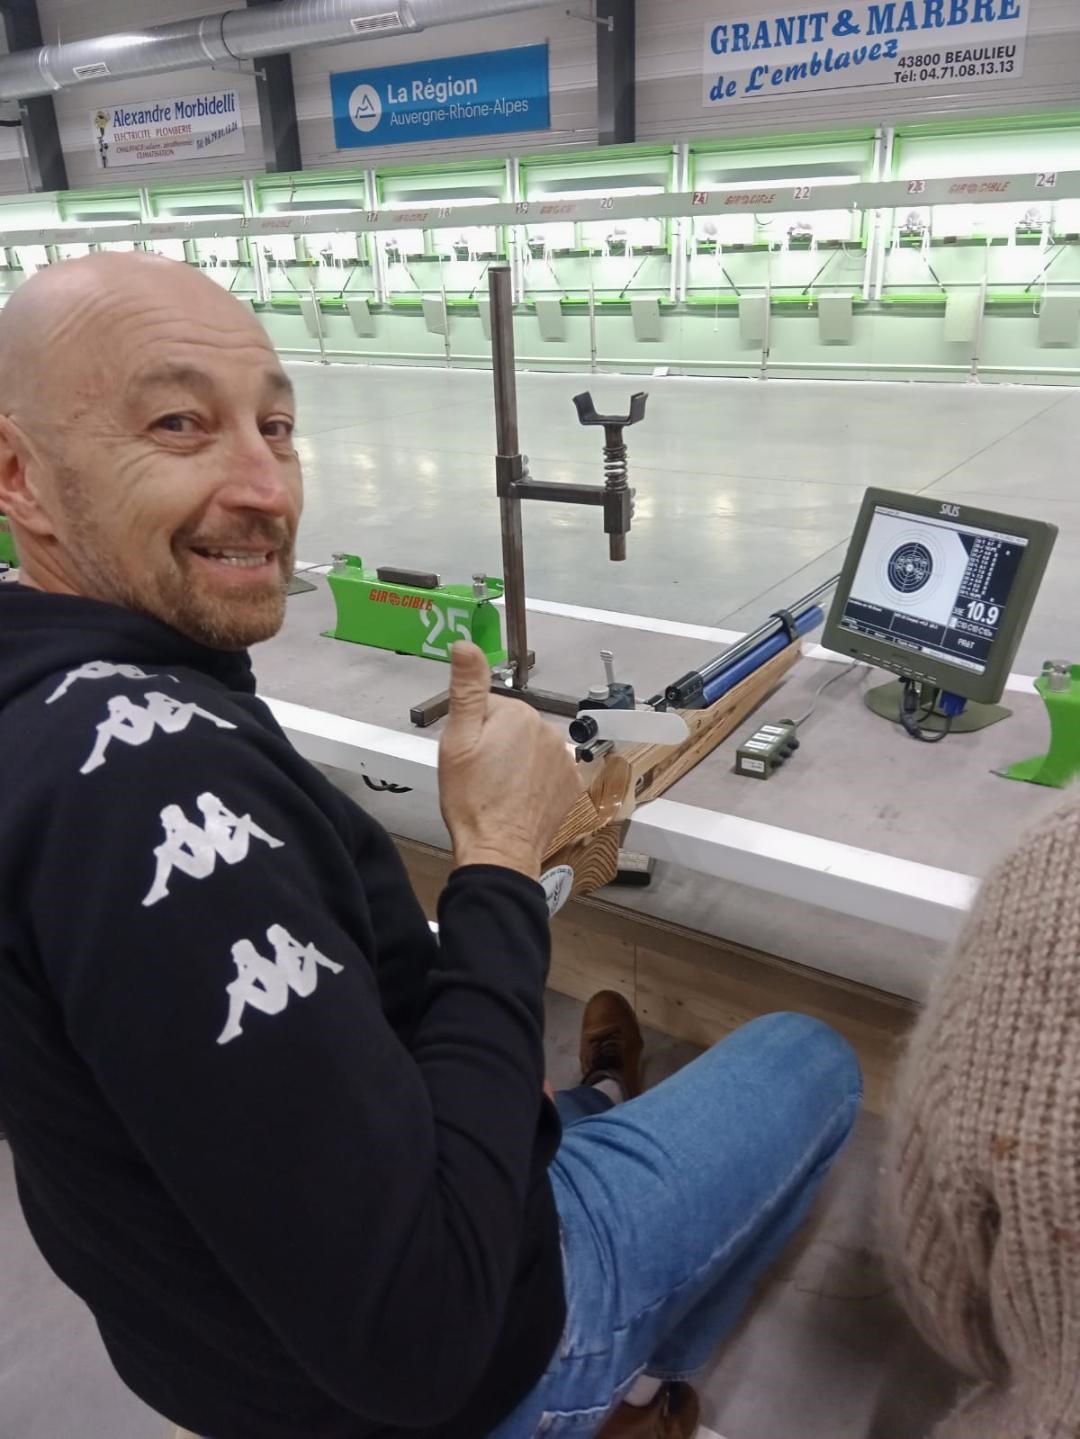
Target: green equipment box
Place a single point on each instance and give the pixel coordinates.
(410, 613)
(8, 555)
(767, 749)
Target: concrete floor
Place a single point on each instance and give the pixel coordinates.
(747, 492)
(746, 497)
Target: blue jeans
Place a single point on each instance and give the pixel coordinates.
(673, 1206)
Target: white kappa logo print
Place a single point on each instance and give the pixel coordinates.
(133, 724)
(265, 983)
(195, 850)
(102, 670)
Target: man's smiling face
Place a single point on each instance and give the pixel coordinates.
(146, 447)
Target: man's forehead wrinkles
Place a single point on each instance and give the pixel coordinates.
(167, 334)
(139, 317)
(72, 340)
(83, 310)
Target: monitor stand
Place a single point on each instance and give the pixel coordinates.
(885, 702)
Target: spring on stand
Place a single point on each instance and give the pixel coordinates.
(616, 466)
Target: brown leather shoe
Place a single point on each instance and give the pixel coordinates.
(674, 1414)
(611, 1043)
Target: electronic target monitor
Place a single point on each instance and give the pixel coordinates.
(938, 592)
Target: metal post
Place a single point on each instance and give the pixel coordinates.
(980, 329)
(594, 346)
(446, 315)
(517, 236)
(686, 224)
(766, 340)
(873, 223)
(888, 220)
(509, 448)
(318, 321)
(264, 289)
(676, 225)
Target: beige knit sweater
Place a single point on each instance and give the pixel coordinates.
(982, 1174)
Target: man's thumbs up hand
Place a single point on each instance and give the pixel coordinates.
(506, 777)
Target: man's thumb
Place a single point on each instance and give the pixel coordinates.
(470, 685)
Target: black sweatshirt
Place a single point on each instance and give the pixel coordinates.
(290, 1151)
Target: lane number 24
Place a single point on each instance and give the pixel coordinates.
(445, 627)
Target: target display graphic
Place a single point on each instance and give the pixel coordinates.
(937, 593)
(911, 568)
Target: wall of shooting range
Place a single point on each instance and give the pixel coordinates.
(945, 291)
(571, 45)
(68, 20)
(675, 66)
(573, 112)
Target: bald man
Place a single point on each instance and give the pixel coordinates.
(294, 1155)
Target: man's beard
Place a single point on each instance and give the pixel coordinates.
(174, 595)
(232, 621)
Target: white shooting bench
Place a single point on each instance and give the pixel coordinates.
(860, 858)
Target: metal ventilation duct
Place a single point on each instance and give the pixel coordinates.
(230, 36)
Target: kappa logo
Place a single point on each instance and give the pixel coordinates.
(195, 849)
(101, 670)
(265, 984)
(135, 725)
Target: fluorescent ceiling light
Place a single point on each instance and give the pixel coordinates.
(791, 181)
(443, 202)
(202, 212)
(105, 217)
(641, 182)
(617, 191)
(344, 206)
(167, 215)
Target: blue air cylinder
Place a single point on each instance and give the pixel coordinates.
(729, 678)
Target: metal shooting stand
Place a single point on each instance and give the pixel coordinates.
(514, 484)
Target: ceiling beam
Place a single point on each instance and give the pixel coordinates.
(47, 170)
(277, 109)
(616, 62)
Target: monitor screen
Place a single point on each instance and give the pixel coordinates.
(935, 587)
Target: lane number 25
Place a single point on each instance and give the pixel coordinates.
(444, 629)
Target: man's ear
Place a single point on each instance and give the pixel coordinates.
(20, 465)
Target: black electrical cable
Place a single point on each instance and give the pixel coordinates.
(842, 674)
(913, 721)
